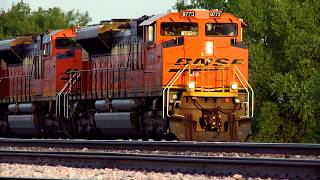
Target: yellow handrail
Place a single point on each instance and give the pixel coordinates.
(205, 68)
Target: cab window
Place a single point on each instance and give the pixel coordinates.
(65, 43)
(47, 49)
(221, 29)
(150, 33)
(179, 29)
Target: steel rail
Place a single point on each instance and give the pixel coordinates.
(254, 148)
(223, 166)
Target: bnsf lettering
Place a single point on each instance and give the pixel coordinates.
(198, 61)
(221, 61)
(237, 61)
(182, 60)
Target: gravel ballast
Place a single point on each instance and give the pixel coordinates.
(62, 172)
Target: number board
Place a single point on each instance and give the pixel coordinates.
(188, 13)
(215, 13)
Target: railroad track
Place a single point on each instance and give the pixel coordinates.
(221, 166)
(240, 147)
(249, 167)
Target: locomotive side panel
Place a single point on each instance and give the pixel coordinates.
(49, 78)
(153, 71)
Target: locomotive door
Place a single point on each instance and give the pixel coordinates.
(150, 60)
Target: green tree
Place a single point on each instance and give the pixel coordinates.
(284, 64)
(204, 4)
(291, 38)
(20, 19)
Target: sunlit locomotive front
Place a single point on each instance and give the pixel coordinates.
(181, 75)
(206, 95)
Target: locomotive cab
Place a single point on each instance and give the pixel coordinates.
(61, 55)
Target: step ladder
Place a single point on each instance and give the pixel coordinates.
(166, 91)
(249, 103)
(62, 98)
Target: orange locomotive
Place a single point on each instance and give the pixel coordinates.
(181, 75)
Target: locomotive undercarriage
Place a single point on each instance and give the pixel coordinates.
(190, 118)
(209, 119)
(117, 118)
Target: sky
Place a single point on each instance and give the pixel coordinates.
(102, 9)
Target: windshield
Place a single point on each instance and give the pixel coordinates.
(65, 43)
(221, 29)
(179, 29)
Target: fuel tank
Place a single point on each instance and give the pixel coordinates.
(124, 105)
(117, 123)
(26, 107)
(23, 107)
(102, 105)
(23, 125)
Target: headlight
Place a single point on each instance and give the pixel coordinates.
(209, 48)
(237, 101)
(234, 86)
(175, 97)
(191, 85)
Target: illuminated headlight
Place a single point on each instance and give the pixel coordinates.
(191, 85)
(175, 97)
(237, 101)
(234, 86)
(209, 48)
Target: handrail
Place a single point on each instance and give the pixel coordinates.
(204, 69)
(237, 73)
(66, 96)
(168, 87)
(163, 93)
(15, 77)
(65, 91)
(174, 81)
(68, 87)
(251, 89)
(58, 99)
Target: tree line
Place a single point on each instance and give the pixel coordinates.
(20, 19)
(284, 60)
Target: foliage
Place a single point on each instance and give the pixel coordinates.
(284, 64)
(20, 19)
(216, 4)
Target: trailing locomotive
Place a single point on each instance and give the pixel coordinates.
(181, 74)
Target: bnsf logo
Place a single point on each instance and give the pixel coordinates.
(207, 62)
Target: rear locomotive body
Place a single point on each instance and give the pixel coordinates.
(182, 75)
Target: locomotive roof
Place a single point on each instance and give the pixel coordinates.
(8, 43)
(152, 19)
(159, 16)
(47, 37)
